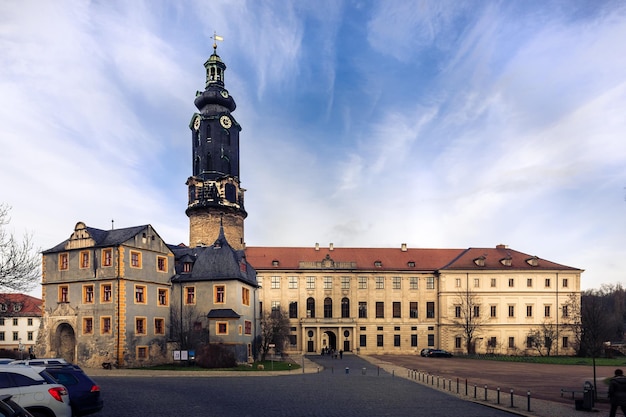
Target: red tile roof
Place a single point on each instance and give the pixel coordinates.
(391, 259)
(27, 306)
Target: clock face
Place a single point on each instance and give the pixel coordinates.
(226, 122)
(224, 93)
(196, 123)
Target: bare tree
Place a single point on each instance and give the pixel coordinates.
(186, 327)
(19, 262)
(274, 330)
(468, 317)
(543, 338)
(572, 320)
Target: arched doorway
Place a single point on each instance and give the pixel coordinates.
(65, 342)
(329, 340)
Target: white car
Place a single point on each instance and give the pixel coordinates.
(40, 362)
(35, 390)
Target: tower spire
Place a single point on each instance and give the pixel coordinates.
(216, 38)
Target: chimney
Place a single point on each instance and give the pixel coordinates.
(317, 246)
(404, 249)
(502, 246)
(331, 246)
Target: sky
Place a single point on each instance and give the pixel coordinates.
(439, 124)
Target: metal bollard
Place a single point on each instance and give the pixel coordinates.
(363, 371)
(512, 406)
(347, 370)
(485, 392)
(528, 400)
(474, 390)
(457, 385)
(498, 395)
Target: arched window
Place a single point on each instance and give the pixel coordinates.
(310, 307)
(345, 308)
(328, 307)
(209, 162)
(196, 166)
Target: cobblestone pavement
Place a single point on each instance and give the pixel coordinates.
(329, 387)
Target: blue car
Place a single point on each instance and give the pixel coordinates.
(84, 393)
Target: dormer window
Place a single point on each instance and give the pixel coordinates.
(506, 261)
(275, 262)
(411, 264)
(480, 261)
(187, 267)
(17, 307)
(534, 261)
(3, 307)
(378, 264)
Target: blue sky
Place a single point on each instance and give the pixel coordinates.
(440, 124)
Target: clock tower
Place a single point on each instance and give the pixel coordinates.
(215, 195)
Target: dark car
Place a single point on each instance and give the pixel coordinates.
(10, 408)
(84, 393)
(439, 353)
(425, 351)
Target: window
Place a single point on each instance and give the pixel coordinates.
(219, 295)
(379, 340)
(345, 283)
(162, 296)
(106, 293)
(275, 306)
(64, 294)
(396, 340)
(293, 282)
(161, 264)
(413, 340)
(88, 294)
(492, 342)
(84, 259)
(458, 342)
(380, 283)
(396, 283)
(64, 262)
(16, 336)
(413, 283)
(15, 321)
(345, 308)
(328, 283)
(140, 325)
(29, 322)
(511, 282)
(310, 283)
(476, 282)
(431, 340)
(190, 295)
(397, 309)
(221, 327)
(547, 282)
(275, 282)
(565, 342)
(362, 283)
(245, 296)
(107, 257)
(493, 311)
(511, 311)
(529, 342)
(380, 309)
(186, 267)
(457, 283)
(430, 283)
(511, 342)
(140, 294)
(247, 327)
(1, 321)
(476, 311)
(135, 259)
(565, 282)
(1, 336)
(293, 340)
(328, 307)
(310, 307)
(105, 325)
(88, 325)
(142, 352)
(29, 336)
(362, 340)
(413, 309)
(529, 311)
(546, 311)
(430, 310)
(493, 283)
(293, 310)
(362, 309)
(457, 312)
(17, 307)
(159, 326)
(565, 311)
(529, 282)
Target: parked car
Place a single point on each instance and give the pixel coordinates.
(40, 362)
(425, 351)
(10, 408)
(439, 353)
(84, 393)
(36, 390)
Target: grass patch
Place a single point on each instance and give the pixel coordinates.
(267, 366)
(554, 360)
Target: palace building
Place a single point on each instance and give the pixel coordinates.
(126, 297)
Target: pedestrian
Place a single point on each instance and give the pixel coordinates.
(340, 354)
(617, 392)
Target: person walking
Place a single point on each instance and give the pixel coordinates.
(617, 392)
